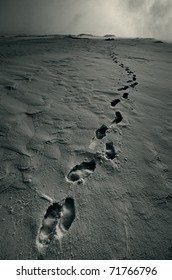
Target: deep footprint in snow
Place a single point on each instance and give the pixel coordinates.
(134, 77)
(110, 151)
(129, 72)
(101, 132)
(115, 102)
(67, 218)
(123, 88)
(49, 223)
(115, 60)
(82, 171)
(125, 95)
(118, 117)
(134, 84)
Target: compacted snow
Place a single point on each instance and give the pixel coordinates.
(86, 141)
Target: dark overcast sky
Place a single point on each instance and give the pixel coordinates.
(138, 18)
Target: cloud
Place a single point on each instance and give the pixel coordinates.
(140, 18)
(152, 18)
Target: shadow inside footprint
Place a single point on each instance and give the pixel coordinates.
(134, 77)
(67, 218)
(130, 72)
(123, 88)
(68, 213)
(115, 102)
(134, 84)
(49, 223)
(110, 151)
(125, 95)
(118, 117)
(101, 132)
(81, 171)
(115, 60)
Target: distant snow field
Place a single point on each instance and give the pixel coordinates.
(85, 146)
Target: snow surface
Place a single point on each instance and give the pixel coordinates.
(105, 167)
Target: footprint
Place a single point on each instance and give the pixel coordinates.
(125, 95)
(118, 117)
(11, 86)
(110, 151)
(115, 60)
(82, 171)
(123, 88)
(67, 218)
(134, 84)
(49, 223)
(115, 102)
(129, 72)
(101, 132)
(129, 81)
(57, 221)
(134, 77)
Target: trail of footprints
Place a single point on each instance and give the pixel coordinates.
(60, 216)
